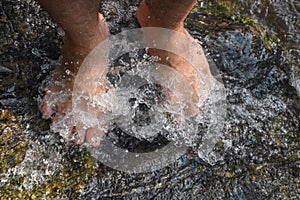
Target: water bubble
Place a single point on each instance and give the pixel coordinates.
(68, 72)
(35, 51)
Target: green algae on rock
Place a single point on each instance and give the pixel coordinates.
(231, 10)
(72, 175)
(13, 144)
(78, 165)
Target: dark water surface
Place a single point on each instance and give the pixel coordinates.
(255, 45)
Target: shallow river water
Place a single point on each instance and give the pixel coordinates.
(254, 44)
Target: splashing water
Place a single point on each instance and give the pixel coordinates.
(149, 99)
(35, 169)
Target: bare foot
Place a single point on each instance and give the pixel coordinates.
(149, 15)
(57, 101)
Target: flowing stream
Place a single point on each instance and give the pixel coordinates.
(253, 152)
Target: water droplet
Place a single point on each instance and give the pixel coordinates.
(95, 139)
(68, 72)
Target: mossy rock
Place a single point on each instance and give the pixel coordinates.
(13, 144)
(231, 10)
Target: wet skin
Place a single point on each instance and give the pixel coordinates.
(85, 28)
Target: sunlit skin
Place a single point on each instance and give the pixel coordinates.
(85, 28)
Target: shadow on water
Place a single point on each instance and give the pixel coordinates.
(254, 45)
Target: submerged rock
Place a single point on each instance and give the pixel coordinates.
(260, 149)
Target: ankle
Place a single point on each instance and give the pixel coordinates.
(154, 15)
(78, 45)
(149, 17)
(73, 54)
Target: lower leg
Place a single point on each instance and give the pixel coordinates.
(84, 27)
(164, 13)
